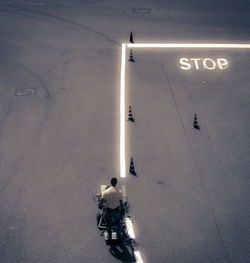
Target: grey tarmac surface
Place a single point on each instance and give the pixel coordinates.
(59, 131)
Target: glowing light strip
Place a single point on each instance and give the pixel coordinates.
(122, 114)
(131, 233)
(138, 257)
(129, 227)
(188, 45)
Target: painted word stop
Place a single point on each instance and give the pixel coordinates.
(203, 63)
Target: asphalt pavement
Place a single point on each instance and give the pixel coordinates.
(59, 130)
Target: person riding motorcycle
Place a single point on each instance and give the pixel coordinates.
(113, 206)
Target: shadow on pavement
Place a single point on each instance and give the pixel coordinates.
(122, 252)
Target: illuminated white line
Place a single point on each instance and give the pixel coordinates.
(138, 257)
(129, 227)
(122, 114)
(188, 45)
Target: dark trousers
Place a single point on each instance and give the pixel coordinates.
(113, 216)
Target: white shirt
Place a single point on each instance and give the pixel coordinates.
(112, 196)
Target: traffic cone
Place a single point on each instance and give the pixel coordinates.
(131, 59)
(131, 39)
(195, 125)
(132, 167)
(130, 115)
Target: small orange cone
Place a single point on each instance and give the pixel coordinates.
(195, 124)
(131, 39)
(130, 115)
(131, 58)
(132, 168)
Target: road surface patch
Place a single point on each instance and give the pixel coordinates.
(25, 92)
(142, 11)
(36, 4)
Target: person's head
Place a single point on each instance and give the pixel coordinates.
(113, 181)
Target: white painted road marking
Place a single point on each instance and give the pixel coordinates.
(190, 45)
(129, 227)
(138, 257)
(122, 114)
(203, 63)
